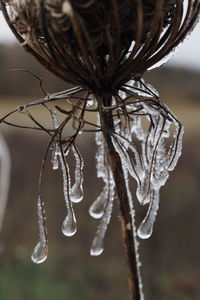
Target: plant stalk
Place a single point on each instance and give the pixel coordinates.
(121, 192)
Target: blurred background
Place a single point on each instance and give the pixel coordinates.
(170, 258)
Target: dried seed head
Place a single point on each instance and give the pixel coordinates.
(100, 44)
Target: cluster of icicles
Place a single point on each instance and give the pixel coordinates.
(149, 147)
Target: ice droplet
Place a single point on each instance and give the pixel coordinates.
(145, 230)
(146, 227)
(97, 247)
(40, 253)
(69, 226)
(76, 194)
(96, 210)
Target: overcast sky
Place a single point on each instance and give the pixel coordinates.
(188, 54)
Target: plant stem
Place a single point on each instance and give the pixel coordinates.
(121, 192)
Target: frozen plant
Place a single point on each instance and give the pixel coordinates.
(104, 48)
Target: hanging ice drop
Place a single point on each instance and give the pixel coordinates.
(97, 247)
(98, 241)
(76, 194)
(146, 227)
(40, 253)
(69, 226)
(96, 210)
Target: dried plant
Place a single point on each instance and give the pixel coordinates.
(105, 47)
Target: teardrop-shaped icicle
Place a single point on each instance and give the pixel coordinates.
(96, 210)
(40, 253)
(76, 194)
(145, 230)
(41, 250)
(97, 247)
(98, 241)
(146, 227)
(69, 226)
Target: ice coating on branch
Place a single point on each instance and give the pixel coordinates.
(54, 158)
(176, 148)
(141, 88)
(41, 250)
(55, 150)
(150, 148)
(76, 193)
(100, 155)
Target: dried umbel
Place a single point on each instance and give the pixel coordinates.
(105, 47)
(100, 44)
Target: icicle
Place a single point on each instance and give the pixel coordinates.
(97, 244)
(175, 150)
(100, 155)
(96, 210)
(76, 194)
(41, 250)
(146, 227)
(69, 226)
(135, 169)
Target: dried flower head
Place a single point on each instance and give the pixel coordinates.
(100, 44)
